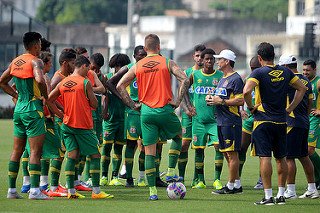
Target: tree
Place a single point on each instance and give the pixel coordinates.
(259, 9)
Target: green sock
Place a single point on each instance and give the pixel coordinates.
(141, 161)
(35, 171)
(95, 171)
(87, 168)
(182, 163)
(157, 165)
(242, 159)
(129, 157)
(25, 163)
(105, 159)
(55, 169)
(13, 173)
(45, 164)
(174, 151)
(199, 162)
(76, 169)
(150, 170)
(316, 164)
(116, 159)
(81, 164)
(70, 171)
(218, 163)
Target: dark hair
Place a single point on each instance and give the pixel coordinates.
(119, 60)
(292, 66)
(81, 60)
(66, 56)
(310, 62)
(70, 50)
(45, 45)
(30, 39)
(199, 47)
(231, 63)
(81, 50)
(151, 41)
(266, 51)
(207, 51)
(136, 49)
(254, 63)
(44, 56)
(98, 59)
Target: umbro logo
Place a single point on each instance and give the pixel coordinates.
(19, 63)
(70, 84)
(304, 82)
(276, 73)
(151, 64)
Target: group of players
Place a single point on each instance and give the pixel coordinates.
(138, 111)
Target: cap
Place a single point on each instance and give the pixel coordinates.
(287, 59)
(227, 54)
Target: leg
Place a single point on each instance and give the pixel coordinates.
(199, 165)
(233, 166)
(105, 160)
(174, 153)
(129, 157)
(218, 164)
(183, 157)
(26, 176)
(245, 143)
(315, 159)
(282, 169)
(291, 187)
(150, 166)
(266, 173)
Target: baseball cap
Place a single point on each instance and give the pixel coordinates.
(227, 54)
(287, 59)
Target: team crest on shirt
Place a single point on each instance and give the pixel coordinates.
(133, 130)
(106, 134)
(221, 92)
(184, 130)
(215, 81)
(277, 75)
(135, 85)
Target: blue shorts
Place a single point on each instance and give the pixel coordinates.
(297, 142)
(229, 138)
(269, 137)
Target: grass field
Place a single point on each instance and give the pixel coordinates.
(136, 199)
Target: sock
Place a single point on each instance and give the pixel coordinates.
(174, 151)
(13, 173)
(291, 187)
(182, 163)
(45, 164)
(199, 163)
(141, 174)
(150, 170)
(153, 190)
(218, 164)
(12, 190)
(26, 180)
(87, 168)
(34, 170)
(95, 171)
(129, 157)
(43, 180)
(105, 159)
(70, 171)
(96, 189)
(237, 183)
(116, 159)
(71, 191)
(230, 185)
(34, 191)
(53, 188)
(316, 164)
(82, 162)
(267, 193)
(55, 172)
(242, 160)
(25, 163)
(157, 165)
(141, 161)
(311, 187)
(281, 191)
(123, 169)
(76, 172)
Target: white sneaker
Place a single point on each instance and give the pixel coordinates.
(312, 195)
(288, 194)
(14, 195)
(39, 196)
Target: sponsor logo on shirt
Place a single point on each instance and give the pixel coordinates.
(277, 75)
(221, 92)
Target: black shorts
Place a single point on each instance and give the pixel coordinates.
(297, 142)
(269, 137)
(229, 138)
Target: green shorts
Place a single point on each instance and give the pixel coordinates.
(186, 123)
(51, 146)
(314, 132)
(247, 125)
(113, 132)
(83, 139)
(132, 126)
(159, 120)
(28, 124)
(203, 134)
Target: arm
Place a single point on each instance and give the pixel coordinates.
(39, 78)
(99, 88)
(4, 83)
(182, 78)
(105, 113)
(186, 105)
(247, 90)
(112, 82)
(298, 96)
(122, 85)
(54, 94)
(92, 98)
(56, 79)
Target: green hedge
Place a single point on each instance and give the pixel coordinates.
(6, 112)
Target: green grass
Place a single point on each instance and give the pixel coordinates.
(135, 199)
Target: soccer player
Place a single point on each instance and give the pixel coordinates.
(113, 126)
(228, 97)
(310, 71)
(247, 127)
(271, 83)
(82, 51)
(31, 91)
(186, 120)
(157, 108)
(204, 125)
(77, 127)
(297, 135)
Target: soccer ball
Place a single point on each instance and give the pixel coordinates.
(176, 190)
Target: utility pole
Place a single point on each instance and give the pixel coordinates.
(130, 13)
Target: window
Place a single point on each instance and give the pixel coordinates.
(300, 6)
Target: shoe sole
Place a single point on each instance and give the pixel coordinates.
(291, 197)
(268, 204)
